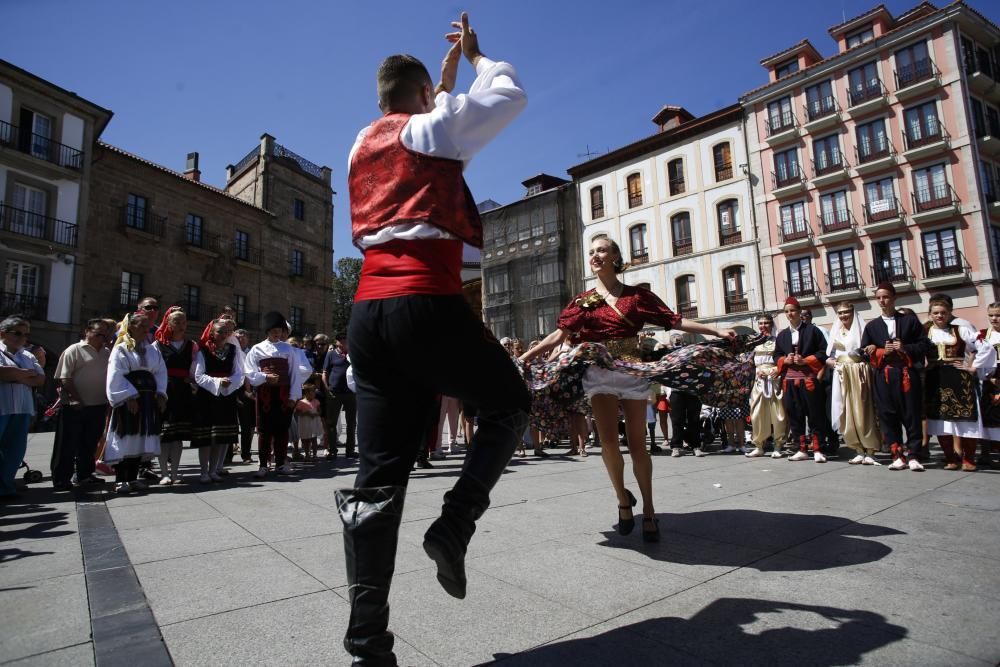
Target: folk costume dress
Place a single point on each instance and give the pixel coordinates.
(951, 395)
(137, 373)
(989, 404)
(767, 413)
(216, 419)
(606, 361)
(177, 418)
(852, 401)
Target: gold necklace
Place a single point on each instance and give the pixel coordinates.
(611, 292)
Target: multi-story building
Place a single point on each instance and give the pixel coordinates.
(531, 259)
(263, 242)
(46, 139)
(880, 163)
(678, 204)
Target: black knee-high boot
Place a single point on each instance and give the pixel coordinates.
(447, 539)
(371, 530)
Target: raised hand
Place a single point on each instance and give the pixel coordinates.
(467, 38)
(449, 69)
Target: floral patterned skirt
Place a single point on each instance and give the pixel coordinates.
(720, 372)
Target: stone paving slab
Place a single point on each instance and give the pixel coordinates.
(43, 616)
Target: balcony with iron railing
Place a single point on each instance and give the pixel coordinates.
(913, 78)
(894, 270)
(874, 156)
(801, 288)
(981, 70)
(639, 257)
(245, 253)
(829, 168)
(988, 133)
(866, 97)
(303, 270)
(29, 306)
(200, 241)
(32, 225)
(737, 302)
(688, 309)
(797, 234)
(40, 147)
(934, 202)
(634, 200)
(882, 214)
(499, 298)
(819, 109)
(780, 127)
(926, 141)
(723, 171)
(942, 267)
(787, 181)
(730, 235)
(837, 224)
(844, 280)
(141, 219)
(683, 246)
(677, 187)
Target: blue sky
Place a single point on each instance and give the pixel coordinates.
(213, 75)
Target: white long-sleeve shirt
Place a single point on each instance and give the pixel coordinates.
(123, 361)
(214, 385)
(457, 128)
(265, 350)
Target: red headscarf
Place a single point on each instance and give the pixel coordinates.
(164, 333)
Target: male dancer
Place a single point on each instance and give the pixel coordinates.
(897, 346)
(800, 353)
(410, 212)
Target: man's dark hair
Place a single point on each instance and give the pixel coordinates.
(340, 336)
(399, 78)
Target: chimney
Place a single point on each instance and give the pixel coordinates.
(670, 117)
(192, 171)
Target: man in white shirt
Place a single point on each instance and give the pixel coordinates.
(410, 212)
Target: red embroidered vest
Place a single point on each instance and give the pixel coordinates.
(392, 185)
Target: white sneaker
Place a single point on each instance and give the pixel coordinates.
(676, 452)
(798, 456)
(898, 464)
(755, 453)
(819, 457)
(776, 454)
(869, 461)
(205, 478)
(284, 469)
(698, 452)
(215, 477)
(915, 466)
(166, 481)
(857, 460)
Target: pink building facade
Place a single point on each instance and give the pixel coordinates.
(881, 163)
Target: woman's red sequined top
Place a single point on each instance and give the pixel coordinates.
(601, 322)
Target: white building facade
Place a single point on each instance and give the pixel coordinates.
(679, 205)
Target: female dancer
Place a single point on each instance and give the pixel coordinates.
(137, 386)
(952, 388)
(178, 356)
(852, 405)
(219, 376)
(615, 313)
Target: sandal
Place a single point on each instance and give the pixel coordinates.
(650, 535)
(626, 526)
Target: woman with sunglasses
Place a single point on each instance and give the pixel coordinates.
(19, 375)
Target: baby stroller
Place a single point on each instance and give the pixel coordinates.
(30, 476)
(711, 425)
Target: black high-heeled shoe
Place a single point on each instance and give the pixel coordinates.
(650, 535)
(626, 526)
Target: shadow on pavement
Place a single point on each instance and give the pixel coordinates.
(730, 631)
(719, 531)
(29, 518)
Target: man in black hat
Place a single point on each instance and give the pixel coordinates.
(897, 346)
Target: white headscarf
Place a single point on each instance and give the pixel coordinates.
(851, 342)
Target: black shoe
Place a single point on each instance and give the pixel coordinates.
(63, 486)
(351, 454)
(655, 449)
(443, 546)
(424, 464)
(626, 526)
(650, 535)
(541, 453)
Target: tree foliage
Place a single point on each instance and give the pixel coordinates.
(347, 272)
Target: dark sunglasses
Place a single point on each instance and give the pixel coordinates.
(149, 307)
(18, 334)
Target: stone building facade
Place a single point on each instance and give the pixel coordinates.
(678, 204)
(531, 259)
(262, 243)
(46, 140)
(880, 163)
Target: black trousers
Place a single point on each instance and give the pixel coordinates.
(246, 412)
(77, 433)
(685, 418)
(406, 351)
(335, 403)
(802, 405)
(898, 409)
